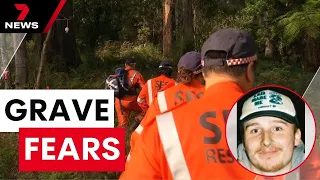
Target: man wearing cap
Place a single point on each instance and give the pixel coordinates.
(189, 86)
(189, 142)
(154, 85)
(271, 138)
(128, 103)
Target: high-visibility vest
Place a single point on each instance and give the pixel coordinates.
(165, 103)
(152, 87)
(150, 91)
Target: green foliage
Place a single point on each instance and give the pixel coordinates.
(258, 18)
(273, 72)
(8, 155)
(303, 21)
(96, 66)
(132, 20)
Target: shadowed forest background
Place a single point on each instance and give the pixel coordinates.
(102, 33)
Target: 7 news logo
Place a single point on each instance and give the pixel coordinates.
(20, 24)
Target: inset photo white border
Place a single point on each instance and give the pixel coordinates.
(309, 129)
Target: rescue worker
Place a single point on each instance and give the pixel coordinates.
(189, 141)
(153, 86)
(190, 86)
(128, 103)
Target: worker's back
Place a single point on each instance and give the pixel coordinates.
(189, 142)
(201, 135)
(167, 100)
(160, 83)
(128, 103)
(134, 79)
(174, 96)
(152, 87)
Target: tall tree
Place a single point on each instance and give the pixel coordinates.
(20, 60)
(4, 60)
(63, 52)
(187, 27)
(43, 58)
(167, 27)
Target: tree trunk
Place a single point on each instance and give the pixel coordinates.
(38, 41)
(44, 56)
(311, 58)
(268, 52)
(167, 27)
(5, 61)
(187, 27)
(64, 54)
(177, 18)
(20, 60)
(3, 51)
(195, 30)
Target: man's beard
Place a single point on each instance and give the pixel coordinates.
(268, 168)
(264, 166)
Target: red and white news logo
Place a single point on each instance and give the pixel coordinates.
(64, 130)
(20, 24)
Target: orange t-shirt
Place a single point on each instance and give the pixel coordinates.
(189, 142)
(167, 100)
(151, 88)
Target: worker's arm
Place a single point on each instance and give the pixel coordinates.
(144, 161)
(149, 117)
(140, 80)
(142, 98)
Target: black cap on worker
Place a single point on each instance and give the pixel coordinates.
(130, 61)
(239, 47)
(118, 70)
(191, 61)
(166, 63)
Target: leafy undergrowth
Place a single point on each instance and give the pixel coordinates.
(91, 75)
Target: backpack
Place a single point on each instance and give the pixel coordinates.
(118, 82)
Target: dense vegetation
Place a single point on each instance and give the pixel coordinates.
(104, 32)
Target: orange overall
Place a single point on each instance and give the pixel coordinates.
(151, 88)
(189, 141)
(129, 102)
(167, 100)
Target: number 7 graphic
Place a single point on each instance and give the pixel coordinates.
(24, 11)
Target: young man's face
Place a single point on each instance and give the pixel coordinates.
(269, 143)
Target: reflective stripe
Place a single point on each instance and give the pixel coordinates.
(132, 78)
(128, 157)
(162, 102)
(139, 129)
(172, 147)
(139, 100)
(150, 91)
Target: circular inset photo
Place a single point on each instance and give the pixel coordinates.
(271, 131)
